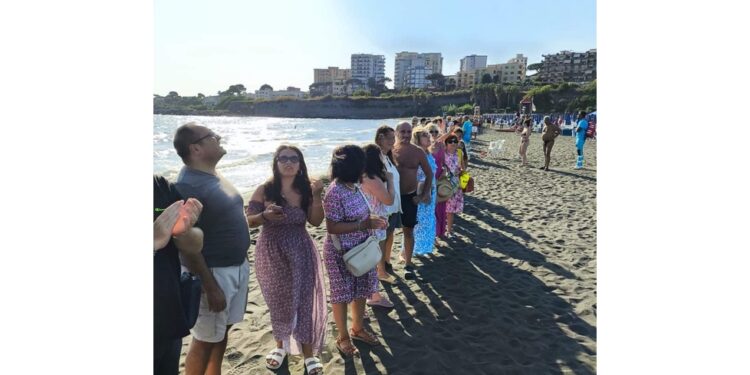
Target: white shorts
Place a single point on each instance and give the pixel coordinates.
(474, 130)
(212, 326)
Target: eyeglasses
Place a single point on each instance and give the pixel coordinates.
(288, 159)
(210, 134)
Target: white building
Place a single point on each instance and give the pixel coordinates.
(266, 92)
(410, 66)
(365, 66)
(473, 62)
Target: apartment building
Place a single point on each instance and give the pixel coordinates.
(473, 62)
(513, 71)
(366, 66)
(411, 68)
(466, 79)
(330, 81)
(332, 73)
(568, 66)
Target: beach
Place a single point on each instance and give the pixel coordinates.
(513, 292)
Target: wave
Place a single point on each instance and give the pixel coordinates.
(243, 162)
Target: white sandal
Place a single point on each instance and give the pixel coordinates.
(313, 366)
(277, 355)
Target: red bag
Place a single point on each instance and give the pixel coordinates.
(591, 130)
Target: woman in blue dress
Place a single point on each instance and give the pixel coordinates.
(424, 232)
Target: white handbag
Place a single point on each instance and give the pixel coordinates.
(365, 256)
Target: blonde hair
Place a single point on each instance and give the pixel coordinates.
(417, 132)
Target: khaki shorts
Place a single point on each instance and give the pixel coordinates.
(212, 326)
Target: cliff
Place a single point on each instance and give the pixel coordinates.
(351, 108)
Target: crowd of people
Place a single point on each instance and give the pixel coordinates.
(409, 177)
(551, 129)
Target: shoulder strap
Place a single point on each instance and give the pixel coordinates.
(335, 238)
(359, 189)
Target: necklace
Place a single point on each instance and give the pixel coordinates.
(352, 187)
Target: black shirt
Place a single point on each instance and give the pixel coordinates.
(169, 319)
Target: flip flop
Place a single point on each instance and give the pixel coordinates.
(351, 351)
(278, 355)
(389, 280)
(382, 302)
(370, 338)
(313, 366)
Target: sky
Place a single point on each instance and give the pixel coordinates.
(206, 46)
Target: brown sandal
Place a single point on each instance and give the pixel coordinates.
(364, 336)
(349, 350)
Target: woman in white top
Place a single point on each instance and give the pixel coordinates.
(385, 138)
(377, 187)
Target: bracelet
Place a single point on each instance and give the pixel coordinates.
(263, 216)
(359, 224)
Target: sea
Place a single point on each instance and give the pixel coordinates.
(251, 141)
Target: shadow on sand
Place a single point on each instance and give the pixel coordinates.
(478, 313)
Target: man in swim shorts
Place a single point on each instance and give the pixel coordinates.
(409, 157)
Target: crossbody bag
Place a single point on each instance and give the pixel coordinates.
(363, 257)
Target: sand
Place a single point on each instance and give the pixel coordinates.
(513, 292)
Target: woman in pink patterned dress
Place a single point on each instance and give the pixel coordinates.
(455, 204)
(348, 219)
(287, 263)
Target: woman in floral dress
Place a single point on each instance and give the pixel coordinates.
(349, 222)
(287, 263)
(424, 232)
(455, 204)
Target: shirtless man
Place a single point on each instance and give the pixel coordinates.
(409, 157)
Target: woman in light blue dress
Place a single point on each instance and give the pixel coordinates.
(424, 231)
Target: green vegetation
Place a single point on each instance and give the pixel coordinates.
(491, 97)
(452, 109)
(173, 102)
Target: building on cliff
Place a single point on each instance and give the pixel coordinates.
(365, 67)
(333, 81)
(567, 66)
(267, 92)
(411, 69)
(473, 62)
(513, 71)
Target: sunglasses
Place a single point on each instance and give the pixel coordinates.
(288, 159)
(453, 141)
(210, 134)
(433, 132)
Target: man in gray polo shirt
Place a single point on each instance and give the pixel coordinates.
(225, 244)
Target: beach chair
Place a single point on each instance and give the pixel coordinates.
(495, 150)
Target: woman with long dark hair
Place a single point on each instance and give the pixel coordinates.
(377, 186)
(287, 263)
(348, 223)
(385, 138)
